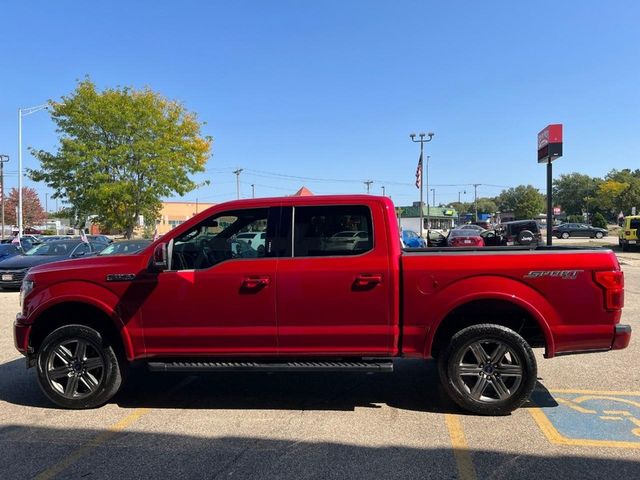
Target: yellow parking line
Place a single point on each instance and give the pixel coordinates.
(461, 452)
(74, 456)
(103, 437)
(595, 392)
(557, 438)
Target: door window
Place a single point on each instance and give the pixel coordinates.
(228, 235)
(331, 231)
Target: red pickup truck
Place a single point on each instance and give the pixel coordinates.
(316, 284)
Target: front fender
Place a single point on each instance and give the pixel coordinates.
(86, 293)
(491, 287)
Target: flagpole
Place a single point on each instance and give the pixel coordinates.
(421, 165)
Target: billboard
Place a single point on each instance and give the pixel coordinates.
(550, 143)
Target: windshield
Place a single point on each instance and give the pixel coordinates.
(467, 232)
(52, 249)
(124, 248)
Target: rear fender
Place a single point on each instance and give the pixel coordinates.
(489, 287)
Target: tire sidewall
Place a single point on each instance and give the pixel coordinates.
(488, 332)
(111, 379)
(599, 235)
(565, 235)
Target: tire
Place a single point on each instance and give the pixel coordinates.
(565, 235)
(599, 235)
(74, 380)
(495, 388)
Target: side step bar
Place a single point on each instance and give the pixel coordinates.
(364, 366)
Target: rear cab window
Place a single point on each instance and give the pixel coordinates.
(342, 230)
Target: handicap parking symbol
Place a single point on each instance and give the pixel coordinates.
(591, 418)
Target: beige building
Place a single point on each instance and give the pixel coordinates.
(175, 213)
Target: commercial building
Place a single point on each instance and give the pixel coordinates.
(442, 218)
(175, 213)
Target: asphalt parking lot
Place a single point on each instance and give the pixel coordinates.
(583, 422)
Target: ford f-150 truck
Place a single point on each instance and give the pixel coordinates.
(328, 288)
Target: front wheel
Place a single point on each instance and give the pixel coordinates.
(78, 368)
(488, 369)
(565, 235)
(599, 235)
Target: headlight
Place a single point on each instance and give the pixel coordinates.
(25, 289)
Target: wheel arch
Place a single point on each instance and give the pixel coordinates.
(533, 314)
(87, 312)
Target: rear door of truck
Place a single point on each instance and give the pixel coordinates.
(335, 283)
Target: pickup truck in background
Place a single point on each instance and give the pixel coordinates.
(312, 297)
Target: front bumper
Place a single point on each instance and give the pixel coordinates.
(21, 332)
(621, 337)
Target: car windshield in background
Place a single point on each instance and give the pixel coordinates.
(465, 232)
(53, 248)
(124, 248)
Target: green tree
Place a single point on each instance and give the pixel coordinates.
(598, 220)
(525, 201)
(572, 192)
(121, 150)
(619, 192)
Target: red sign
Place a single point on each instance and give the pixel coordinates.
(556, 210)
(550, 143)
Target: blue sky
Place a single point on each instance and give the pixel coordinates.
(330, 90)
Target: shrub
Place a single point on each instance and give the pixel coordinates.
(599, 221)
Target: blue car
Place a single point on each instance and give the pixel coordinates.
(8, 250)
(412, 240)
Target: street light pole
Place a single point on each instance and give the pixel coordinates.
(383, 192)
(433, 190)
(475, 198)
(23, 112)
(237, 174)
(253, 190)
(421, 166)
(368, 184)
(3, 158)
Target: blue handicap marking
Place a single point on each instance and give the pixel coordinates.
(607, 417)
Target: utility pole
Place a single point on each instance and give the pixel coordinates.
(475, 198)
(383, 192)
(420, 172)
(464, 191)
(3, 158)
(237, 174)
(434, 196)
(368, 184)
(253, 190)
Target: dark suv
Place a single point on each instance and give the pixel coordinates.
(521, 232)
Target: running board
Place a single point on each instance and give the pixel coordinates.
(381, 366)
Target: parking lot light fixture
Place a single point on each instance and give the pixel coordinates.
(23, 112)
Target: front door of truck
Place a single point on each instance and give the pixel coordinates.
(218, 297)
(335, 287)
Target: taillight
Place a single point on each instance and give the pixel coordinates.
(613, 285)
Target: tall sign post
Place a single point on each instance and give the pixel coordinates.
(550, 149)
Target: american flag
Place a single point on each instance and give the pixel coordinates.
(419, 173)
(83, 236)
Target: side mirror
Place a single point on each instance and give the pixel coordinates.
(159, 261)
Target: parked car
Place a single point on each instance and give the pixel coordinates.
(124, 247)
(53, 238)
(188, 304)
(412, 240)
(464, 237)
(567, 230)
(27, 242)
(521, 232)
(471, 226)
(629, 235)
(436, 239)
(8, 250)
(13, 269)
(254, 239)
(99, 239)
(346, 240)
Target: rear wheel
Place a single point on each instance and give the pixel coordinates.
(565, 235)
(488, 369)
(78, 368)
